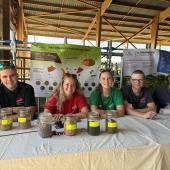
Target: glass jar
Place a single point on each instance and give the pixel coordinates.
(93, 124)
(113, 112)
(6, 119)
(111, 124)
(45, 125)
(70, 126)
(24, 118)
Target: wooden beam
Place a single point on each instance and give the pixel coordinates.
(6, 20)
(74, 36)
(103, 8)
(98, 28)
(84, 18)
(164, 14)
(154, 32)
(64, 32)
(142, 29)
(57, 5)
(105, 5)
(20, 21)
(20, 27)
(82, 28)
(6, 27)
(59, 13)
(43, 9)
(165, 41)
(56, 26)
(24, 25)
(118, 32)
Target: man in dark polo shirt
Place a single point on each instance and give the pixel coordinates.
(138, 100)
(13, 93)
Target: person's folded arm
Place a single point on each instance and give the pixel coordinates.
(83, 113)
(150, 107)
(147, 113)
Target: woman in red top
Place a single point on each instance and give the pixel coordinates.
(67, 99)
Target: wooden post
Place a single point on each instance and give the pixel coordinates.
(154, 32)
(6, 28)
(20, 26)
(98, 28)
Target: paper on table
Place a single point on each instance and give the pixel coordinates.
(164, 111)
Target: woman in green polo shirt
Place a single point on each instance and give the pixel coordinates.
(106, 96)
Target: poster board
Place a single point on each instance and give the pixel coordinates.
(143, 59)
(50, 61)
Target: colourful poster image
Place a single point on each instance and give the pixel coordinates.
(49, 62)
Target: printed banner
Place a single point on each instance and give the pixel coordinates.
(50, 61)
(143, 59)
(164, 62)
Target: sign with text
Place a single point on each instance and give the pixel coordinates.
(49, 62)
(142, 59)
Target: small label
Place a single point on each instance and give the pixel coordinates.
(22, 119)
(6, 122)
(112, 124)
(71, 127)
(94, 124)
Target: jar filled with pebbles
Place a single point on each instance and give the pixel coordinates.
(45, 125)
(93, 124)
(24, 118)
(70, 125)
(6, 119)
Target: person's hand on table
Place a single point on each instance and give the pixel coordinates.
(57, 117)
(149, 115)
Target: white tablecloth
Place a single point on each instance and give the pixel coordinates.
(133, 132)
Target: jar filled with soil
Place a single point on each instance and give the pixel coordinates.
(70, 126)
(24, 118)
(45, 125)
(6, 119)
(93, 124)
(111, 124)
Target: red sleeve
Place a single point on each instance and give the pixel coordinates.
(81, 101)
(51, 104)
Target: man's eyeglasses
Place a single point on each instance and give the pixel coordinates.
(137, 80)
(5, 66)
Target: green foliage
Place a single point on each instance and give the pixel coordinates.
(153, 81)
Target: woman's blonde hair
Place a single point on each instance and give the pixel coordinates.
(59, 91)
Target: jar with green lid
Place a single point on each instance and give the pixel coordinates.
(45, 125)
(6, 119)
(93, 124)
(24, 118)
(111, 124)
(70, 125)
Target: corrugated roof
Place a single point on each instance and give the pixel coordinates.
(72, 18)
